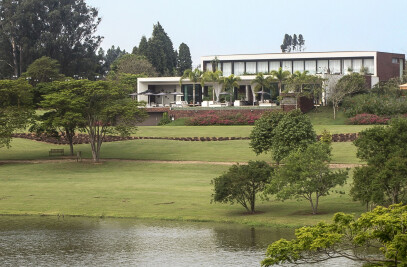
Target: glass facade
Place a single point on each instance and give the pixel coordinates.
(298, 65)
(262, 66)
(238, 68)
(251, 67)
(227, 68)
(313, 66)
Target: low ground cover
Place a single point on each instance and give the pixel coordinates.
(223, 151)
(144, 190)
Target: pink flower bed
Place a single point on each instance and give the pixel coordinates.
(366, 119)
(211, 118)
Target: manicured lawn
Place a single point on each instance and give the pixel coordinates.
(229, 131)
(229, 151)
(144, 190)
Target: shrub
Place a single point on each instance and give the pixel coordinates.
(212, 118)
(366, 119)
(384, 105)
(165, 119)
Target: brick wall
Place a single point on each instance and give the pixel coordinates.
(385, 68)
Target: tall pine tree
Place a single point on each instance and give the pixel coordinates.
(161, 52)
(184, 61)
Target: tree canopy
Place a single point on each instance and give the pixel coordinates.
(15, 107)
(376, 237)
(384, 180)
(101, 107)
(241, 184)
(184, 60)
(62, 30)
(306, 174)
(281, 133)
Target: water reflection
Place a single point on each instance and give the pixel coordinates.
(46, 241)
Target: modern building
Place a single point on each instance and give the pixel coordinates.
(376, 66)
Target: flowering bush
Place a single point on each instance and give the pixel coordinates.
(212, 118)
(365, 119)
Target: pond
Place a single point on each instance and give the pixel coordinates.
(70, 241)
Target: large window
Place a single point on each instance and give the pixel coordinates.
(335, 66)
(238, 68)
(250, 67)
(274, 65)
(227, 69)
(262, 66)
(311, 66)
(347, 65)
(209, 66)
(356, 65)
(322, 66)
(298, 65)
(369, 65)
(287, 66)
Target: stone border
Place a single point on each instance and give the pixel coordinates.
(84, 139)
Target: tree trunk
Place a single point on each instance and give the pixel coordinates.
(21, 60)
(15, 62)
(69, 135)
(193, 95)
(334, 105)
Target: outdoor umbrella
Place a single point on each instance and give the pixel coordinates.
(162, 94)
(133, 95)
(147, 93)
(262, 94)
(176, 94)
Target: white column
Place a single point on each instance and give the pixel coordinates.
(247, 93)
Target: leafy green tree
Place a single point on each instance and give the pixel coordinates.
(281, 76)
(377, 237)
(15, 108)
(281, 133)
(384, 179)
(229, 83)
(194, 76)
(213, 78)
(62, 30)
(301, 42)
(347, 85)
(241, 184)
(44, 69)
(104, 108)
(133, 64)
(261, 82)
(286, 45)
(306, 174)
(184, 60)
(161, 52)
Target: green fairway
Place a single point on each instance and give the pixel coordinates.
(143, 190)
(228, 151)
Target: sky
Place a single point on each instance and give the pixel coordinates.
(219, 27)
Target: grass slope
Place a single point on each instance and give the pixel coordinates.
(229, 151)
(143, 190)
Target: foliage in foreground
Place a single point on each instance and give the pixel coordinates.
(306, 174)
(376, 237)
(281, 133)
(241, 184)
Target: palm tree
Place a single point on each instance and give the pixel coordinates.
(230, 83)
(280, 76)
(194, 76)
(213, 77)
(261, 82)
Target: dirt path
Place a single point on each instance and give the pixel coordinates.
(38, 161)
